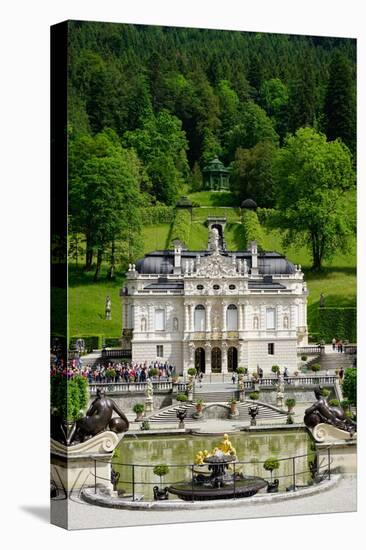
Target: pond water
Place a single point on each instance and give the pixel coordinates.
(178, 451)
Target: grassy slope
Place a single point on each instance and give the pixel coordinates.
(337, 281)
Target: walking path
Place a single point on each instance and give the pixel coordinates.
(341, 498)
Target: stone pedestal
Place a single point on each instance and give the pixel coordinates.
(336, 446)
(75, 467)
(149, 405)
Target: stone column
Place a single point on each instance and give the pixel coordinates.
(192, 318)
(208, 358)
(186, 317)
(223, 317)
(293, 319)
(208, 316)
(240, 320)
(224, 358)
(279, 317)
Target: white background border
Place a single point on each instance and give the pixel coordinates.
(24, 217)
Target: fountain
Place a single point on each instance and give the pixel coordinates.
(214, 476)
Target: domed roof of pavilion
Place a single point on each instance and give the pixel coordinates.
(215, 165)
(249, 204)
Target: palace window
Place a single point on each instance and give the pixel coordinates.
(199, 318)
(232, 287)
(216, 287)
(199, 287)
(159, 319)
(270, 349)
(232, 317)
(271, 318)
(160, 351)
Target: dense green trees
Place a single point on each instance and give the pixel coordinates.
(251, 174)
(312, 176)
(340, 101)
(150, 106)
(104, 196)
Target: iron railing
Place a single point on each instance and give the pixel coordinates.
(299, 475)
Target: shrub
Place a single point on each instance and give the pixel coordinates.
(138, 408)
(181, 227)
(232, 401)
(69, 397)
(254, 395)
(252, 228)
(337, 320)
(181, 397)
(112, 342)
(290, 402)
(153, 372)
(161, 470)
(272, 463)
(275, 369)
(200, 402)
(304, 358)
(145, 425)
(334, 402)
(325, 392)
(242, 370)
(192, 371)
(316, 367)
(110, 373)
(345, 404)
(349, 386)
(159, 213)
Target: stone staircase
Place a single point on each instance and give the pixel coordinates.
(169, 414)
(216, 396)
(336, 360)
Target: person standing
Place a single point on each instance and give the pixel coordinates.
(233, 378)
(334, 344)
(341, 374)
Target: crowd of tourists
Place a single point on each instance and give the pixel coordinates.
(115, 372)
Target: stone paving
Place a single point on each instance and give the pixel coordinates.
(341, 498)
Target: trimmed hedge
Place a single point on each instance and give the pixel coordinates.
(264, 214)
(181, 227)
(252, 228)
(91, 342)
(153, 215)
(338, 322)
(112, 342)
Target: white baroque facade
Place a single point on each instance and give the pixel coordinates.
(215, 309)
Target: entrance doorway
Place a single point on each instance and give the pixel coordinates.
(232, 359)
(216, 360)
(199, 360)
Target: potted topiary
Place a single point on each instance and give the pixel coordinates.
(275, 369)
(290, 404)
(254, 395)
(334, 402)
(304, 358)
(325, 392)
(199, 405)
(192, 371)
(153, 372)
(271, 464)
(138, 408)
(161, 470)
(233, 406)
(182, 397)
(110, 374)
(316, 367)
(241, 371)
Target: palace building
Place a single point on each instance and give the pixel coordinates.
(215, 309)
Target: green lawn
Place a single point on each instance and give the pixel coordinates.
(87, 302)
(214, 198)
(155, 237)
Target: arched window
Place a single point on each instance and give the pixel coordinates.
(232, 317)
(199, 318)
(255, 322)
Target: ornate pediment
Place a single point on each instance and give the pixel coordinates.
(216, 265)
